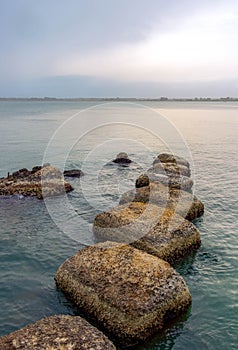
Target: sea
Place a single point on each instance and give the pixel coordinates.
(36, 236)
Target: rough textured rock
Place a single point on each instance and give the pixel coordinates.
(182, 202)
(130, 293)
(171, 169)
(156, 230)
(184, 183)
(40, 181)
(142, 181)
(171, 158)
(73, 173)
(122, 158)
(59, 332)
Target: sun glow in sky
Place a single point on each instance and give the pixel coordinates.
(154, 42)
(199, 49)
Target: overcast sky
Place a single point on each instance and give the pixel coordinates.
(137, 48)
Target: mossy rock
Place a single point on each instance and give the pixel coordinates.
(131, 294)
(57, 333)
(149, 227)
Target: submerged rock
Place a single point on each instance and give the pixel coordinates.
(57, 333)
(156, 230)
(122, 158)
(130, 293)
(40, 181)
(181, 202)
(73, 173)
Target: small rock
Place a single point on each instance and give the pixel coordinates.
(142, 181)
(131, 294)
(122, 158)
(57, 333)
(73, 173)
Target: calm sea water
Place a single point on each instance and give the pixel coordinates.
(34, 241)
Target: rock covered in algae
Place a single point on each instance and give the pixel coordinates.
(156, 230)
(57, 333)
(182, 202)
(130, 293)
(40, 181)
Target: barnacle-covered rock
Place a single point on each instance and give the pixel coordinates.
(40, 181)
(57, 333)
(149, 227)
(182, 202)
(130, 293)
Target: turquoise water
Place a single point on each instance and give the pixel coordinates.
(33, 243)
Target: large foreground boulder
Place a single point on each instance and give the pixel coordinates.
(130, 293)
(182, 202)
(156, 230)
(40, 181)
(57, 333)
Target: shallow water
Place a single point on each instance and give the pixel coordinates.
(33, 246)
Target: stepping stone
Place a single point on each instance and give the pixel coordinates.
(182, 202)
(57, 333)
(131, 294)
(156, 230)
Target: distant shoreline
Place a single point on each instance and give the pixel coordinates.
(121, 99)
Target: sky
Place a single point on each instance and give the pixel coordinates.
(112, 48)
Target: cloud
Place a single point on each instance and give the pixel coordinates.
(201, 49)
(129, 42)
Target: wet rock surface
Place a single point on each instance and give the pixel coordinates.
(171, 158)
(73, 173)
(182, 202)
(40, 182)
(57, 333)
(130, 293)
(148, 227)
(122, 158)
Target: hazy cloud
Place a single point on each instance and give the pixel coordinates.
(149, 41)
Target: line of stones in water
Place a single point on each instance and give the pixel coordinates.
(126, 283)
